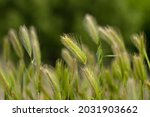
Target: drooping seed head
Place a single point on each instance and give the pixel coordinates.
(67, 57)
(89, 75)
(3, 79)
(74, 48)
(139, 42)
(6, 48)
(25, 39)
(139, 68)
(113, 38)
(35, 47)
(15, 43)
(92, 28)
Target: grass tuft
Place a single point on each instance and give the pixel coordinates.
(81, 73)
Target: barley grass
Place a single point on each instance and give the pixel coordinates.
(6, 49)
(15, 43)
(35, 47)
(81, 73)
(74, 48)
(25, 39)
(92, 28)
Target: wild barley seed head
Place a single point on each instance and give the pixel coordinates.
(113, 38)
(67, 57)
(15, 43)
(92, 28)
(25, 39)
(139, 68)
(6, 48)
(89, 75)
(74, 48)
(139, 42)
(4, 79)
(35, 47)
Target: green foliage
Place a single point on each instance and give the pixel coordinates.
(80, 74)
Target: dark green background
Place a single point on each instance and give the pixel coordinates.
(53, 18)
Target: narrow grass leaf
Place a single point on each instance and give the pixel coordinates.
(100, 56)
(63, 75)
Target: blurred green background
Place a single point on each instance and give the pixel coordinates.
(53, 18)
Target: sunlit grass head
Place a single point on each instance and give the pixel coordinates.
(72, 46)
(80, 73)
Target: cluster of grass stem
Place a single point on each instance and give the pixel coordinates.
(80, 73)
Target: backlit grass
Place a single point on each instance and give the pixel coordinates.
(80, 73)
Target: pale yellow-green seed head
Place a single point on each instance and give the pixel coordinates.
(89, 75)
(139, 42)
(25, 39)
(4, 79)
(50, 73)
(35, 47)
(113, 38)
(15, 43)
(92, 27)
(67, 57)
(132, 90)
(139, 68)
(74, 48)
(6, 48)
